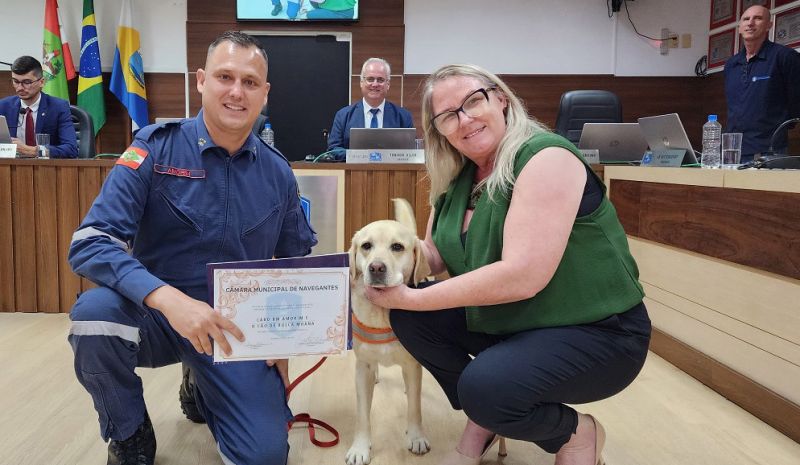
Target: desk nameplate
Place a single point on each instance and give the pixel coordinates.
(385, 156)
(8, 150)
(664, 158)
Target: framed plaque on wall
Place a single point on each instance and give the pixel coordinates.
(782, 2)
(748, 3)
(722, 12)
(720, 47)
(787, 27)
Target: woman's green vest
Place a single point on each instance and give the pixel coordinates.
(596, 278)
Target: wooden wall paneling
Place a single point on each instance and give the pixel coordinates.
(401, 185)
(422, 207)
(382, 42)
(356, 193)
(6, 242)
(743, 226)
(378, 196)
(89, 182)
(737, 225)
(640, 96)
(69, 284)
(46, 231)
(24, 224)
(166, 97)
(626, 199)
(712, 88)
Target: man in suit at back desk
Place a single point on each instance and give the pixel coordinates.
(32, 112)
(373, 110)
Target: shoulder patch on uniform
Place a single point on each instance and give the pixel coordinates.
(132, 157)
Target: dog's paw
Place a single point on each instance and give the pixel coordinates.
(358, 454)
(418, 444)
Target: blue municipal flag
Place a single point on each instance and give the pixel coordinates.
(90, 82)
(127, 75)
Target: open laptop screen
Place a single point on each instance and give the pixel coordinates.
(615, 142)
(383, 138)
(5, 136)
(664, 132)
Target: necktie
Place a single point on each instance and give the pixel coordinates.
(374, 122)
(29, 129)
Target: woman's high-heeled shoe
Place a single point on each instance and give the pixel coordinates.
(599, 441)
(455, 457)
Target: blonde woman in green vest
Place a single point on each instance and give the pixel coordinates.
(544, 292)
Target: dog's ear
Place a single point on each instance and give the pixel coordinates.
(421, 268)
(354, 271)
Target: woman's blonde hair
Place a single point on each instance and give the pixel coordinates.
(444, 162)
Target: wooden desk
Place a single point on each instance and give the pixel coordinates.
(719, 256)
(43, 201)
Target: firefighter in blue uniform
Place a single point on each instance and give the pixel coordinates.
(185, 194)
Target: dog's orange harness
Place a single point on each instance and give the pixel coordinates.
(370, 335)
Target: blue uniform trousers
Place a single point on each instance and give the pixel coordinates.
(516, 385)
(244, 403)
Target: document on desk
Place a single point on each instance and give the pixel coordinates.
(285, 307)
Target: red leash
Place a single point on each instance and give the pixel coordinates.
(306, 418)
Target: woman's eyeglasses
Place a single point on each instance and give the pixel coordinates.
(475, 105)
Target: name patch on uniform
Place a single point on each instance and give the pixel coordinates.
(132, 157)
(182, 172)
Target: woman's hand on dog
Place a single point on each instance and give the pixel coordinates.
(398, 297)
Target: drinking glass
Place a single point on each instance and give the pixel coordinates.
(731, 150)
(42, 141)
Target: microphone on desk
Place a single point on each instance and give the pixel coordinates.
(768, 159)
(789, 121)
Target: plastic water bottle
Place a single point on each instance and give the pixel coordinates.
(268, 135)
(712, 140)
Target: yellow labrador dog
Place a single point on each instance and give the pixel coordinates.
(383, 254)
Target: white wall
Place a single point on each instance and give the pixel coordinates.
(553, 37)
(161, 24)
(510, 36)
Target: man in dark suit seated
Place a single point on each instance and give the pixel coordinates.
(373, 110)
(31, 112)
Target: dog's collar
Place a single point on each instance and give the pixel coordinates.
(370, 335)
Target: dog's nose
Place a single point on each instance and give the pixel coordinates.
(377, 268)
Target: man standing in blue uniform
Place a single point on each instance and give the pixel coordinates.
(32, 112)
(185, 194)
(373, 110)
(761, 86)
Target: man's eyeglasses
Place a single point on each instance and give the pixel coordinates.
(475, 105)
(24, 83)
(374, 80)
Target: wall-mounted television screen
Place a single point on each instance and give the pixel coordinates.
(297, 10)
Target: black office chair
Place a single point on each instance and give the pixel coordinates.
(260, 120)
(84, 131)
(586, 106)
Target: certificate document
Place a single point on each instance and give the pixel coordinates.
(285, 307)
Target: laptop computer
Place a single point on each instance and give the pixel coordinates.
(665, 132)
(5, 136)
(383, 138)
(616, 143)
